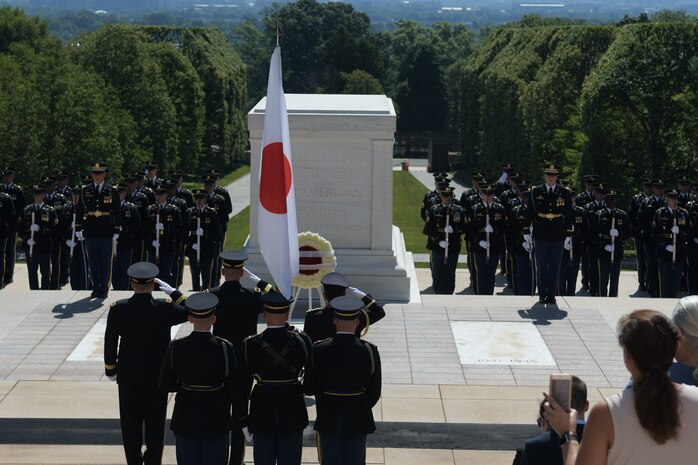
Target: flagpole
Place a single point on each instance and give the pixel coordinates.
(278, 34)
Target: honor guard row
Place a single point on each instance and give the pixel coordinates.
(235, 380)
(90, 234)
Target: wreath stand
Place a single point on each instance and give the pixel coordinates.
(316, 259)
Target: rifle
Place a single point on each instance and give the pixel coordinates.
(31, 236)
(198, 238)
(673, 252)
(487, 233)
(447, 221)
(613, 238)
(530, 259)
(157, 236)
(72, 237)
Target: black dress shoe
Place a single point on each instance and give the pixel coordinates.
(542, 300)
(551, 300)
(93, 294)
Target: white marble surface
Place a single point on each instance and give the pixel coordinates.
(500, 343)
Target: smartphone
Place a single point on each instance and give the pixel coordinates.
(561, 389)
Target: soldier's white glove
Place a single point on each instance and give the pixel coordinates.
(484, 244)
(251, 276)
(200, 232)
(609, 248)
(112, 378)
(164, 287)
(249, 437)
(79, 236)
(613, 232)
(159, 226)
(675, 229)
(195, 247)
(568, 243)
(31, 242)
(670, 248)
(489, 228)
(448, 229)
(156, 243)
(34, 227)
(70, 243)
(116, 237)
(354, 292)
(527, 237)
(443, 244)
(527, 246)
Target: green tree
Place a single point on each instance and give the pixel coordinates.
(361, 82)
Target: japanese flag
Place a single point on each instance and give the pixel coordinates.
(276, 221)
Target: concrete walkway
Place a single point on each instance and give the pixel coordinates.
(239, 191)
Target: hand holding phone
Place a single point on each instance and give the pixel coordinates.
(561, 390)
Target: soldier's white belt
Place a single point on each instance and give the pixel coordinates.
(549, 216)
(98, 213)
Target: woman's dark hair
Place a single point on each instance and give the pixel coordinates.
(651, 340)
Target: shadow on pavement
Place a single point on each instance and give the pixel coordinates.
(85, 305)
(542, 314)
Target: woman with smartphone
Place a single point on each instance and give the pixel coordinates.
(651, 422)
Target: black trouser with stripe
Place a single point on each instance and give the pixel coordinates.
(142, 410)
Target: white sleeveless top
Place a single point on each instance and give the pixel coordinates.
(634, 446)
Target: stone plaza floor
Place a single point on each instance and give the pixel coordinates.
(463, 374)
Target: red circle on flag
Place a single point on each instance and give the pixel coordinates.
(275, 182)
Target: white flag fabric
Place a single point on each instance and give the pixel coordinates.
(277, 229)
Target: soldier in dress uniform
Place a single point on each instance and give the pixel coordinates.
(62, 186)
(467, 199)
(100, 209)
(634, 217)
(444, 227)
(236, 318)
(181, 204)
(345, 377)
(670, 228)
(79, 276)
(523, 268)
(140, 200)
(684, 191)
(590, 241)
(692, 248)
(487, 224)
(585, 197)
(217, 202)
(551, 216)
(164, 225)
(648, 209)
(8, 222)
(130, 228)
(505, 197)
(200, 368)
(181, 191)
(151, 177)
(203, 240)
(611, 227)
(36, 229)
(319, 322)
(58, 247)
(17, 195)
(431, 195)
(135, 342)
(276, 360)
(143, 188)
(572, 253)
(220, 190)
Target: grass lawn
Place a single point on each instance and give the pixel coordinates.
(237, 173)
(407, 200)
(238, 230)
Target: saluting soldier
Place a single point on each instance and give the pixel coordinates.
(79, 275)
(692, 248)
(590, 240)
(181, 191)
(203, 241)
(130, 228)
(611, 227)
(151, 178)
(522, 244)
(100, 209)
(647, 213)
(670, 229)
(200, 368)
(57, 201)
(36, 229)
(276, 360)
(572, 253)
(551, 216)
(634, 217)
(164, 225)
(487, 224)
(17, 195)
(8, 223)
(444, 226)
(236, 318)
(319, 322)
(345, 377)
(135, 342)
(431, 195)
(140, 200)
(180, 251)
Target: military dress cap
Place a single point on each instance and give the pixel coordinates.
(590, 178)
(611, 194)
(551, 169)
(524, 188)
(199, 193)
(161, 190)
(442, 185)
(573, 191)
(61, 175)
(38, 189)
(86, 180)
(346, 307)
(478, 177)
(600, 188)
(647, 182)
(138, 175)
(515, 178)
(508, 167)
(98, 167)
(202, 305)
(49, 180)
(167, 185)
(658, 183)
(213, 174)
(684, 181)
(7, 171)
(142, 272)
(671, 194)
(151, 166)
(121, 187)
(209, 180)
(335, 279)
(75, 189)
(275, 302)
(233, 258)
(447, 191)
(489, 190)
